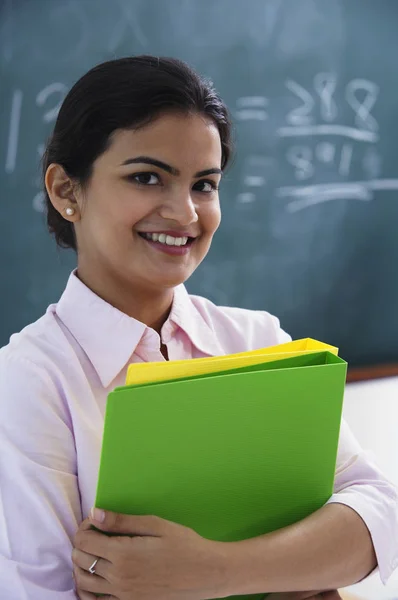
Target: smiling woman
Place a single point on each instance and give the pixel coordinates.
(131, 177)
(151, 170)
(129, 199)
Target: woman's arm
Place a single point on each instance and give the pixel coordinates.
(39, 500)
(329, 549)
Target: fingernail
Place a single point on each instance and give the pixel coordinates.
(97, 515)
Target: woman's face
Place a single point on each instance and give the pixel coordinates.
(149, 212)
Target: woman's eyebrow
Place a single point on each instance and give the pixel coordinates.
(169, 169)
(214, 171)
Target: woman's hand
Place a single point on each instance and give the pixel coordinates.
(148, 559)
(329, 595)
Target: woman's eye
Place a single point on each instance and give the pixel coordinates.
(145, 178)
(205, 186)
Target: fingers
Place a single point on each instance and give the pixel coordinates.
(311, 595)
(86, 582)
(133, 524)
(85, 561)
(95, 543)
(79, 593)
(86, 525)
(86, 595)
(89, 596)
(295, 596)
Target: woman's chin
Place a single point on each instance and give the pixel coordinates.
(168, 278)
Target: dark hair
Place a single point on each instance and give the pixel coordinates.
(121, 94)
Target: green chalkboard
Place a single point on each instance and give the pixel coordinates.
(310, 206)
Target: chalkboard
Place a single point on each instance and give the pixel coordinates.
(310, 205)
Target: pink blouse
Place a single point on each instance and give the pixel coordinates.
(55, 376)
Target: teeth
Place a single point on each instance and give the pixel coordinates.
(166, 239)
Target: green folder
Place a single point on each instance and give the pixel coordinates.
(232, 455)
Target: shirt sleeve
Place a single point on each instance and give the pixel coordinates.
(281, 335)
(39, 497)
(362, 486)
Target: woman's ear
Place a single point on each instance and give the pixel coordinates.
(62, 193)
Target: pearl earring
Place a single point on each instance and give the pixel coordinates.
(70, 211)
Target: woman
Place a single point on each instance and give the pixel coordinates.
(132, 174)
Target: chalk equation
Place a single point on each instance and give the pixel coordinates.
(315, 140)
(309, 140)
(49, 99)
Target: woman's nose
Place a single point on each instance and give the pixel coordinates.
(179, 207)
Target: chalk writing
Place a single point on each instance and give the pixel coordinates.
(318, 137)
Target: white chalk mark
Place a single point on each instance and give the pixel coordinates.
(247, 114)
(325, 152)
(319, 188)
(383, 184)
(254, 181)
(41, 98)
(300, 157)
(333, 194)
(246, 198)
(252, 101)
(39, 202)
(301, 115)
(13, 135)
(325, 86)
(345, 159)
(363, 118)
(343, 130)
(311, 195)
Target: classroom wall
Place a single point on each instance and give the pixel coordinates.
(371, 410)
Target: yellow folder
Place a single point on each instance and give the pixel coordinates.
(140, 373)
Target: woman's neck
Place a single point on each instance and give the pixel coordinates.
(148, 306)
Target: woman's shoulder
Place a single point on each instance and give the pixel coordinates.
(35, 420)
(39, 345)
(239, 329)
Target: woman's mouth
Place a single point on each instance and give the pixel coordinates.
(169, 244)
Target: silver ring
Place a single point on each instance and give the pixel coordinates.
(92, 568)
